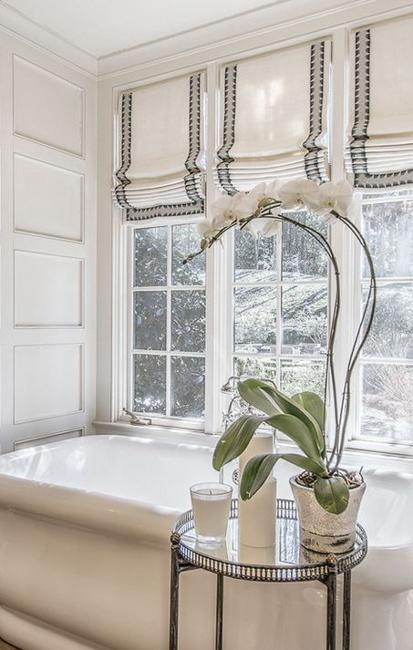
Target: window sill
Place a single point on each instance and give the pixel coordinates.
(353, 458)
(166, 433)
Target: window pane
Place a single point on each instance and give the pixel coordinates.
(255, 319)
(150, 320)
(254, 257)
(387, 408)
(150, 383)
(185, 240)
(392, 331)
(298, 375)
(304, 312)
(263, 368)
(150, 257)
(187, 386)
(388, 228)
(302, 257)
(188, 321)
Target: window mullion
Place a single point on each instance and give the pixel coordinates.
(216, 361)
(168, 321)
(279, 252)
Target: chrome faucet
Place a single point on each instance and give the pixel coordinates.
(237, 406)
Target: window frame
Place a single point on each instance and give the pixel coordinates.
(218, 357)
(354, 439)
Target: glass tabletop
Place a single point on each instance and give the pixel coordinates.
(287, 560)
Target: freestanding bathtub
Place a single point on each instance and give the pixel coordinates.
(84, 557)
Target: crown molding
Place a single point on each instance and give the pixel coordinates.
(283, 22)
(274, 22)
(269, 18)
(16, 24)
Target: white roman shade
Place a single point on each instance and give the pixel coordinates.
(161, 150)
(380, 144)
(275, 117)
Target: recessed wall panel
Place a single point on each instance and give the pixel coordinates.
(47, 290)
(48, 381)
(45, 440)
(47, 108)
(48, 200)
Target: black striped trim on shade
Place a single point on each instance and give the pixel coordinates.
(359, 156)
(314, 157)
(228, 130)
(192, 181)
(125, 149)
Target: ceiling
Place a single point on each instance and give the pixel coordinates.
(103, 27)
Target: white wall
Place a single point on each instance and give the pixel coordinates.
(47, 244)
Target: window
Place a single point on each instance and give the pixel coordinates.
(168, 323)
(386, 369)
(280, 301)
(261, 306)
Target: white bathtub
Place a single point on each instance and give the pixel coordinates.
(84, 564)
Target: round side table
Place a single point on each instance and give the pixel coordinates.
(288, 561)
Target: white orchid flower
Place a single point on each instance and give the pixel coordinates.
(299, 193)
(272, 189)
(266, 226)
(228, 208)
(333, 196)
(264, 192)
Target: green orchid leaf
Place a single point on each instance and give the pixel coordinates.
(235, 440)
(260, 467)
(332, 494)
(308, 464)
(257, 393)
(290, 407)
(265, 396)
(314, 405)
(256, 472)
(304, 437)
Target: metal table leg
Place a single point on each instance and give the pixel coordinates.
(346, 610)
(174, 599)
(219, 615)
(331, 583)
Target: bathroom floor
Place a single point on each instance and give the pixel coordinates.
(6, 646)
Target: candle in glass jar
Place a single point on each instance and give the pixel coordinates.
(211, 504)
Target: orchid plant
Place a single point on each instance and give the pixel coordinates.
(302, 417)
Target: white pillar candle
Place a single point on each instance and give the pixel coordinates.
(211, 504)
(257, 516)
(262, 442)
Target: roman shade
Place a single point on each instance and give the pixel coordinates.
(380, 143)
(274, 117)
(162, 157)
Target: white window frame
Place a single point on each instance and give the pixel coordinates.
(194, 424)
(355, 440)
(219, 259)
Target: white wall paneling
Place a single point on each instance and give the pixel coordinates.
(44, 440)
(47, 107)
(48, 290)
(47, 245)
(48, 381)
(48, 200)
